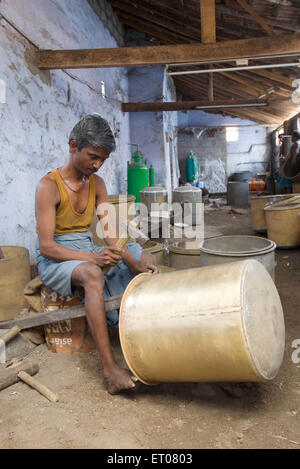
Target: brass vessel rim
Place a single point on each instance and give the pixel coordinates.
(270, 246)
(123, 341)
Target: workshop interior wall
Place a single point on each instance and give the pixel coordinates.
(205, 135)
(42, 107)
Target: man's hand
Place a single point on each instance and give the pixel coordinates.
(108, 256)
(146, 264)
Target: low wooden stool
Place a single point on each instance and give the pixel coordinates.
(67, 336)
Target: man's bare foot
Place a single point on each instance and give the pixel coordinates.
(119, 380)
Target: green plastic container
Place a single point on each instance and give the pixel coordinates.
(137, 175)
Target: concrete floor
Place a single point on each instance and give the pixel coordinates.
(165, 416)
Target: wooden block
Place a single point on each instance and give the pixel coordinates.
(9, 376)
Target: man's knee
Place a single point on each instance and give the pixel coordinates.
(89, 275)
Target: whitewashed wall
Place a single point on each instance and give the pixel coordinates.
(40, 111)
(149, 129)
(252, 151)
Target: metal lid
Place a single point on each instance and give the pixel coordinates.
(187, 189)
(120, 198)
(152, 189)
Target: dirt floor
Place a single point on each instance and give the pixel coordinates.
(165, 416)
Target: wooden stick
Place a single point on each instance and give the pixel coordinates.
(37, 386)
(60, 314)
(9, 376)
(10, 334)
(121, 243)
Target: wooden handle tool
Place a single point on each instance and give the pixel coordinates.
(121, 243)
(13, 332)
(37, 386)
(9, 376)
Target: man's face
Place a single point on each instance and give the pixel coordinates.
(89, 160)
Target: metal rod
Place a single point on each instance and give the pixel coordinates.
(234, 60)
(220, 106)
(234, 69)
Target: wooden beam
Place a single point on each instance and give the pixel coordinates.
(211, 87)
(158, 55)
(242, 14)
(274, 76)
(208, 21)
(256, 115)
(174, 3)
(257, 17)
(251, 86)
(158, 20)
(255, 118)
(159, 33)
(255, 86)
(185, 105)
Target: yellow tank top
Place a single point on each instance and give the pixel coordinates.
(67, 219)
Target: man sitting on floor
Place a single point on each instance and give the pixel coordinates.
(66, 199)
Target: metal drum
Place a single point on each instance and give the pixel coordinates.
(238, 194)
(224, 249)
(154, 195)
(217, 323)
(190, 198)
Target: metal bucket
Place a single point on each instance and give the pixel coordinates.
(258, 203)
(283, 222)
(157, 249)
(224, 249)
(14, 275)
(124, 209)
(220, 323)
(184, 255)
(238, 194)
